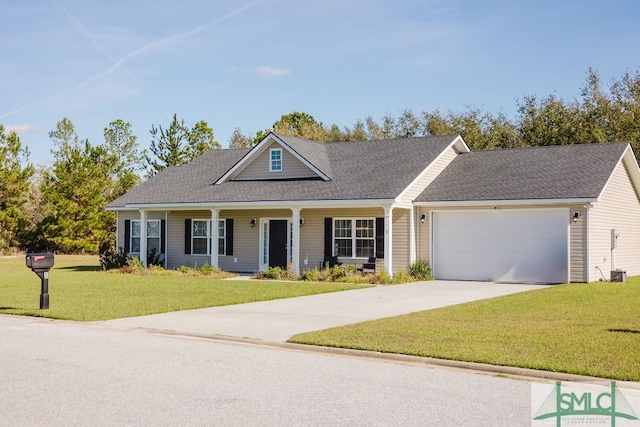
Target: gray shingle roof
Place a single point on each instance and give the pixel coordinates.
(555, 172)
(379, 169)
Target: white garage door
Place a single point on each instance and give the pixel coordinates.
(505, 245)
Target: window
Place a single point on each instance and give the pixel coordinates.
(153, 236)
(201, 234)
(354, 233)
(275, 160)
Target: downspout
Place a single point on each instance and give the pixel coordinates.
(588, 248)
(166, 237)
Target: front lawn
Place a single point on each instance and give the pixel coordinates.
(79, 290)
(589, 329)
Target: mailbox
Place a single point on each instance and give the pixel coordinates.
(41, 264)
(40, 261)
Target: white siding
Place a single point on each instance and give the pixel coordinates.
(617, 209)
(258, 169)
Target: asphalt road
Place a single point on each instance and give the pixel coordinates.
(55, 373)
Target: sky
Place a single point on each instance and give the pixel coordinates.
(245, 63)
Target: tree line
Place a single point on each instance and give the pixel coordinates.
(61, 207)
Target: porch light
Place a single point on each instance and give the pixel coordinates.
(301, 221)
(576, 215)
(423, 217)
(252, 223)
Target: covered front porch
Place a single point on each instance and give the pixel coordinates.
(296, 237)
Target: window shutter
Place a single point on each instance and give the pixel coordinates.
(328, 237)
(229, 236)
(187, 236)
(127, 235)
(163, 236)
(379, 237)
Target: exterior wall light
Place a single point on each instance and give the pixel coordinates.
(252, 223)
(423, 217)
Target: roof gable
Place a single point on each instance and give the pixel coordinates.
(254, 166)
(537, 173)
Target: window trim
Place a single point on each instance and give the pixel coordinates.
(354, 238)
(273, 161)
(132, 236)
(222, 224)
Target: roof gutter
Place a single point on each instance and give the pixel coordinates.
(274, 204)
(508, 202)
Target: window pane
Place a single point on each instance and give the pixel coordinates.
(153, 245)
(200, 246)
(135, 244)
(199, 229)
(221, 228)
(276, 160)
(220, 246)
(364, 248)
(364, 228)
(135, 228)
(344, 247)
(342, 228)
(153, 228)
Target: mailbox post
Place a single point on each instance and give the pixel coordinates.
(41, 264)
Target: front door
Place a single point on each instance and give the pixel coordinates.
(278, 243)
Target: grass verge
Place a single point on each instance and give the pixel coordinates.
(79, 290)
(588, 329)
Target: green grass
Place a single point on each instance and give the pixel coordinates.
(79, 290)
(588, 329)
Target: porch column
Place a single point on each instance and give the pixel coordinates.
(412, 236)
(143, 238)
(295, 237)
(214, 238)
(388, 239)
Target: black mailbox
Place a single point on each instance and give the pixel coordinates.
(41, 264)
(40, 261)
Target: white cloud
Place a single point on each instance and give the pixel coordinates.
(267, 72)
(24, 128)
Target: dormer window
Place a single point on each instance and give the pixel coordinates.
(275, 160)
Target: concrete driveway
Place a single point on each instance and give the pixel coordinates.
(278, 320)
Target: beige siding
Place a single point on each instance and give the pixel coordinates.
(245, 240)
(617, 209)
(132, 215)
(312, 234)
(259, 167)
(423, 234)
(429, 175)
(578, 244)
(401, 243)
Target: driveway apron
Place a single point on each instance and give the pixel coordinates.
(278, 320)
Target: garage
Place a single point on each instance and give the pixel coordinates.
(502, 245)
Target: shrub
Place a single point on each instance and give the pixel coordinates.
(109, 257)
(420, 270)
(207, 269)
(134, 265)
(276, 273)
(184, 269)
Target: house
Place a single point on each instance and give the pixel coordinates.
(545, 214)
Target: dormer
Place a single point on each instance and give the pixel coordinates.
(275, 158)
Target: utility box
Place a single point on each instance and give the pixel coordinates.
(618, 276)
(40, 261)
